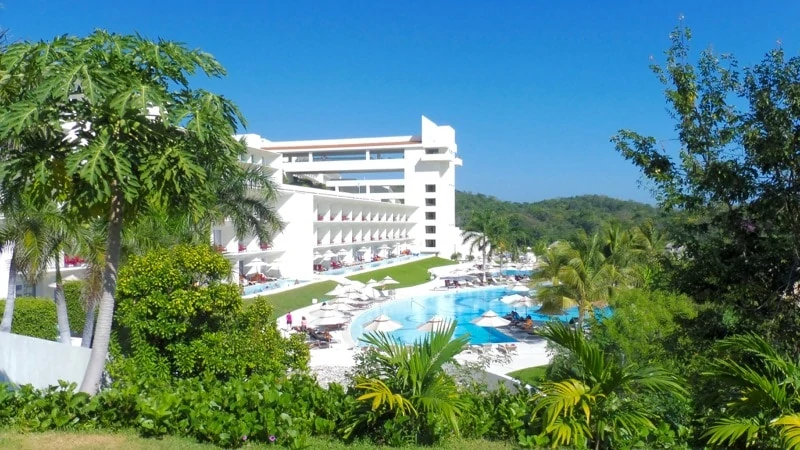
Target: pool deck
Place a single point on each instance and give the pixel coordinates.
(340, 355)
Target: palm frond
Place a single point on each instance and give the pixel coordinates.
(730, 430)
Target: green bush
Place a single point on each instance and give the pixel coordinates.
(179, 317)
(75, 311)
(35, 317)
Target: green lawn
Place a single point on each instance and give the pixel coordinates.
(530, 375)
(410, 274)
(286, 301)
(127, 440)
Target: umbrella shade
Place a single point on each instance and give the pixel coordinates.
(328, 255)
(317, 255)
(363, 249)
(434, 323)
(343, 252)
(339, 289)
(371, 292)
(371, 281)
(384, 247)
(333, 320)
(382, 323)
(348, 300)
(519, 300)
(344, 307)
(490, 319)
(327, 310)
(256, 263)
(389, 280)
(519, 287)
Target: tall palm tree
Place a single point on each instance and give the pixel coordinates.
(484, 232)
(591, 410)
(410, 380)
(763, 395)
(24, 232)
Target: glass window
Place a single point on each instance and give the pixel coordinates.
(430, 229)
(430, 202)
(430, 188)
(430, 215)
(430, 243)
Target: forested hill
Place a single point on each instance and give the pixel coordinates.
(561, 217)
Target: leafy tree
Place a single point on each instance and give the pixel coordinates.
(409, 382)
(598, 407)
(180, 317)
(761, 406)
(734, 179)
(107, 125)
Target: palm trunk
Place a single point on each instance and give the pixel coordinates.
(64, 334)
(8, 313)
(483, 255)
(97, 360)
(88, 325)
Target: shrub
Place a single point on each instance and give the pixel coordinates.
(179, 317)
(35, 317)
(75, 311)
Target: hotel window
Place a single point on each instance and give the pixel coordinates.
(431, 215)
(430, 243)
(431, 151)
(430, 188)
(430, 229)
(430, 202)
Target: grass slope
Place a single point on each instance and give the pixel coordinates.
(530, 375)
(127, 440)
(286, 301)
(410, 274)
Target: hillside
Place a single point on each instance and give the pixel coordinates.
(559, 218)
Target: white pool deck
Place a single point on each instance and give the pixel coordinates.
(342, 350)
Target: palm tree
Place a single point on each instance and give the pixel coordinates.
(140, 138)
(763, 394)
(24, 232)
(410, 380)
(594, 408)
(484, 232)
(583, 281)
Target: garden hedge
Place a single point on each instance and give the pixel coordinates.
(77, 316)
(34, 316)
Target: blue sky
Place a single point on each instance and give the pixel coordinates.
(534, 89)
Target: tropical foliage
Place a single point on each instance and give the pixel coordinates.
(598, 408)
(405, 391)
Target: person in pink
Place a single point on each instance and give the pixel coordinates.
(289, 321)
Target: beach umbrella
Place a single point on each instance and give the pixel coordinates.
(371, 292)
(363, 249)
(339, 289)
(371, 281)
(490, 319)
(327, 310)
(64, 280)
(325, 321)
(382, 323)
(389, 280)
(519, 287)
(348, 300)
(518, 300)
(434, 323)
(342, 306)
(317, 255)
(257, 263)
(328, 255)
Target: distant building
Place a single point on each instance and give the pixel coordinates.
(343, 201)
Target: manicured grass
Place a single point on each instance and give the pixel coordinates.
(530, 375)
(410, 274)
(127, 440)
(286, 301)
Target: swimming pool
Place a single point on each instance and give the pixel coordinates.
(257, 288)
(369, 265)
(463, 306)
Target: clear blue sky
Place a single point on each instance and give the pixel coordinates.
(534, 89)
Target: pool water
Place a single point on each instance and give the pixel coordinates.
(368, 265)
(262, 287)
(463, 306)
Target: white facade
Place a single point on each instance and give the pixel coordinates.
(373, 196)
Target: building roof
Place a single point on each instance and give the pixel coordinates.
(343, 144)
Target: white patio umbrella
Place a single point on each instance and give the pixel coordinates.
(257, 263)
(327, 310)
(339, 289)
(382, 323)
(518, 300)
(328, 255)
(490, 319)
(371, 292)
(317, 255)
(371, 281)
(363, 249)
(434, 323)
(389, 280)
(333, 320)
(519, 287)
(349, 301)
(64, 280)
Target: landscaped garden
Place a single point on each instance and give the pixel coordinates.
(410, 274)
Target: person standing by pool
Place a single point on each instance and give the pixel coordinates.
(289, 321)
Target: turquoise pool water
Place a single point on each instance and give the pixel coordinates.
(463, 306)
(258, 288)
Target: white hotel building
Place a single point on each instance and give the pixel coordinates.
(371, 197)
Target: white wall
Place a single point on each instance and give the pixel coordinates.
(27, 360)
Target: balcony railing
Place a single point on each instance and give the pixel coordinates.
(70, 261)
